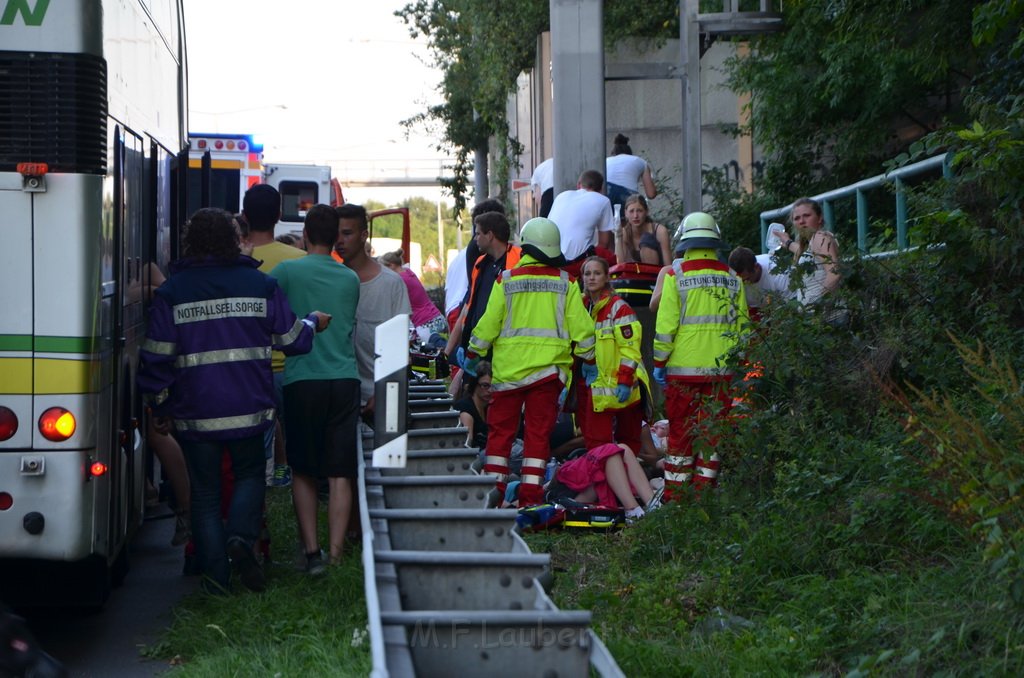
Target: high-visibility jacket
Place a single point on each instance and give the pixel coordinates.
(699, 319)
(533, 316)
(617, 352)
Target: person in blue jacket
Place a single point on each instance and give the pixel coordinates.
(205, 366)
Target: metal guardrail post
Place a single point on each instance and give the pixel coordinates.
(830, 215)
(862, 220)
(901, 215)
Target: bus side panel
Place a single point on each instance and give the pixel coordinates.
(16, 302)
(74, 288)
(72, 346)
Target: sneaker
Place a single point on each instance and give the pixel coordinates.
(634, 515)
(244, 560)
(281, 477)
(655, 501)
(182, 529)
(315, 564)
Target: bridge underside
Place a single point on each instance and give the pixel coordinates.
(406, 181)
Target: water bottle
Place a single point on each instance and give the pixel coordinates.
(549, 470)
(776, 232)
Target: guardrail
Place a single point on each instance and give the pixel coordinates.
(860, 190)
(451, 587)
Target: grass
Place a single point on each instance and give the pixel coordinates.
(721, 588)
(838, 566)
(298, 626)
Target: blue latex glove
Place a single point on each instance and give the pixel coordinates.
(589, 373)
(468, 364)
(622, 392)
(661, 376)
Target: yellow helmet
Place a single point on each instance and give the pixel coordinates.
(699, 229)
(542, 234)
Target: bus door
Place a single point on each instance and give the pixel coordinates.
(126, 465)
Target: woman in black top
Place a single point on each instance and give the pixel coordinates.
(473, 408)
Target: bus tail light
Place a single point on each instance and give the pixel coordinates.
(33, 169)
(57, 424)
(6, 501)
(97, 469)
(8, 423)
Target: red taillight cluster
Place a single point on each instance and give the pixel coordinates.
(8, 423)
(57, 424)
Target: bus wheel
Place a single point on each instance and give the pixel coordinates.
(95, 577)
(119, 568)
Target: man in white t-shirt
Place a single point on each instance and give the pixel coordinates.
(456, 283)
(584, 219)
(759, 283)
(543, 182)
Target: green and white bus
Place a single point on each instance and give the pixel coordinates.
(93, 155)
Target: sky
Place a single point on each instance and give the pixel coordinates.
(318, 81)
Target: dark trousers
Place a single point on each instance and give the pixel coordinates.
(245, 510)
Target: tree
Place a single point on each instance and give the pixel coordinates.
(422, 225)
(481, 47)
(848, 85)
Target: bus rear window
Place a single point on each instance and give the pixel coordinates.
(296, 199)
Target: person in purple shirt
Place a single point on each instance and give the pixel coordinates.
(426, 318)
(205, 366)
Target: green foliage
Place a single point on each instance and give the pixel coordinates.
(972, 446)
(735, 209)
(847, 85)
(297, 627)
(423, 217)
(481, 47)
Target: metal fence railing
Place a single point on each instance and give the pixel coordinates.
(938, 165)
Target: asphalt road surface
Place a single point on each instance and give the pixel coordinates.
(107, 644)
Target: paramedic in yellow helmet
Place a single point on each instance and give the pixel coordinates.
(534, 316)
(702, 309)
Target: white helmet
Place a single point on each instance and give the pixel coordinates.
(543, 235)
(699, 230)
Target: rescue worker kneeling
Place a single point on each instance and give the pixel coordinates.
(534, 314)
(699, 320)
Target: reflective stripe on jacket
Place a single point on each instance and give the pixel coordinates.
(206, 358)
(533, 316)
(699, 318)
(617, 352)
